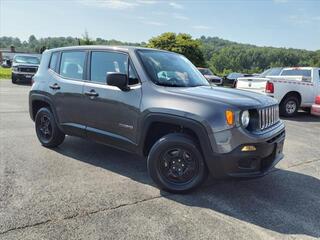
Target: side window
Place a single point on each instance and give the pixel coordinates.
(104, 62)
(72, 64)
(53, 61)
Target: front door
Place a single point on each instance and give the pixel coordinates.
(112, 114)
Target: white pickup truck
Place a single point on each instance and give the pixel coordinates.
(295, 87)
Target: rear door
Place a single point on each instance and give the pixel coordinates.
(66, 86)
(111, 114)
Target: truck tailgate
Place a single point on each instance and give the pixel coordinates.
(252, 84)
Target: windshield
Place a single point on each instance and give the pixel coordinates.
(234, 75)
(271, 72)
(170, 69)
(205, 71)
(26, 59)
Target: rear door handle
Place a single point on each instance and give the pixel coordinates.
(55, 86)
(91, 93)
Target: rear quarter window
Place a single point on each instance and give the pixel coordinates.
(54, 61)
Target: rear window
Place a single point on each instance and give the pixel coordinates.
(296, 72)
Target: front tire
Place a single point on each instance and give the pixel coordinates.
(175, 163)
(289, 106)
(47, 129)
(14, 80)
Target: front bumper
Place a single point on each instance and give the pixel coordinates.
(315, 109)
(22, 77)
(237, 163)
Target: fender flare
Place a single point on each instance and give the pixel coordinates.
(199, 128)
(43, 98)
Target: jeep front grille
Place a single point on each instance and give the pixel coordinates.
(268, 116)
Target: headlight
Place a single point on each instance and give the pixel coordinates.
(245, 118)
(15, 69)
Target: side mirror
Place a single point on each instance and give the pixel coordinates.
(119, 80)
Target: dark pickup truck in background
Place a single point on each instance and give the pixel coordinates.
(24, 67)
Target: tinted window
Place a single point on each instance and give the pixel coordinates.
(234, 75)
(104, 62)
(205, 71)
(53, 61)
(296, 72)
(271, 72)
(72, 64)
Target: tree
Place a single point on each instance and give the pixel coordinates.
(86, 39)
(180, 43)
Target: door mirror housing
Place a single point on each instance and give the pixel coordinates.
(119, 80)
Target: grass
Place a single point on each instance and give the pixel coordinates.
(5, 73)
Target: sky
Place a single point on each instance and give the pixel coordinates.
(278, 23)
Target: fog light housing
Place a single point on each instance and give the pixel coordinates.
(248, 148)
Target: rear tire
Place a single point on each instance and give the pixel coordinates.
(289, 106)
(47, 129)
(175, 163)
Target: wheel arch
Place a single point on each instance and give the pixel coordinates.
(156, 126)
(292, 93)
(37, 101)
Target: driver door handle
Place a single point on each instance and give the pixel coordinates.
(91, 93)
(55, 86)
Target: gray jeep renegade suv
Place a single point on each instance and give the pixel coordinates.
(157, 104)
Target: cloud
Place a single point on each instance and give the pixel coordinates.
(154, 23)
(299, 20)
(176, 5)
(180, 17)
(201, 27)
(117, 4)
(280, 1)
(147, 1)
(112, 4)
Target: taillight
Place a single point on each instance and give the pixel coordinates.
(318, 100)
(269, 87)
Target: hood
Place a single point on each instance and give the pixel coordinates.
(24, 64)
(212, 77)
(234, 97)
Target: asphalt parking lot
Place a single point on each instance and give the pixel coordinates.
(83, 190)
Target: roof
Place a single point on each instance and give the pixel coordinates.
(104, 47)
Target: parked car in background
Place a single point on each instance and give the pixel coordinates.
(6, 63)
(231, 79)
(315, 108)
(24, 67)
(295, 87)
(209, 75)
(157, 104)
